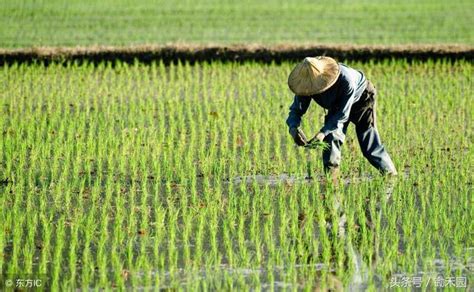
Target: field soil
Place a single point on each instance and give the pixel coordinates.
(240, 53)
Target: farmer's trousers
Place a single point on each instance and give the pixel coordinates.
(363, 116)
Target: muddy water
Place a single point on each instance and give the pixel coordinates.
(274, 180)
(363, 275)
(279, 277)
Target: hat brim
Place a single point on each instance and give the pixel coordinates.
(313, 76)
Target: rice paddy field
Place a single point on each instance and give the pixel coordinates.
(33, 23)
(184, 177)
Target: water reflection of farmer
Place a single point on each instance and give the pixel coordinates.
(348, 96)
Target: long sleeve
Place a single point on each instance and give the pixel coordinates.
(339, 114)
(297, 109)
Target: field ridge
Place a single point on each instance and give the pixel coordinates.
(209, 53)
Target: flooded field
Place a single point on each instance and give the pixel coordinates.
(153, 176)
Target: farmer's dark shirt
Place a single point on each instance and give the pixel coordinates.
(338, 100)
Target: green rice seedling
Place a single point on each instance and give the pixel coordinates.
(134, 176)
(204, 22)
(314, 144)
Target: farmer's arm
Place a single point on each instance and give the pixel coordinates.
(339, 114)
(297, 109)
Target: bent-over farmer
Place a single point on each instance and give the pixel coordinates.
(348, 97)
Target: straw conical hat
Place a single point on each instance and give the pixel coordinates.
(313, 75)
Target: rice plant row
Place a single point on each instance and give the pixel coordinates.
(38, 23)
(185, 176)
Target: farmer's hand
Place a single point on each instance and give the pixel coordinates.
(298, 136)
(319, 136)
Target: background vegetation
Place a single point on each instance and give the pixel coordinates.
(124, 22)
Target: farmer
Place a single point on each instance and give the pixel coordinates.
(348, 96)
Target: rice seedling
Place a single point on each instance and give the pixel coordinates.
(313, 144)
(124, 176)
(30, 23)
